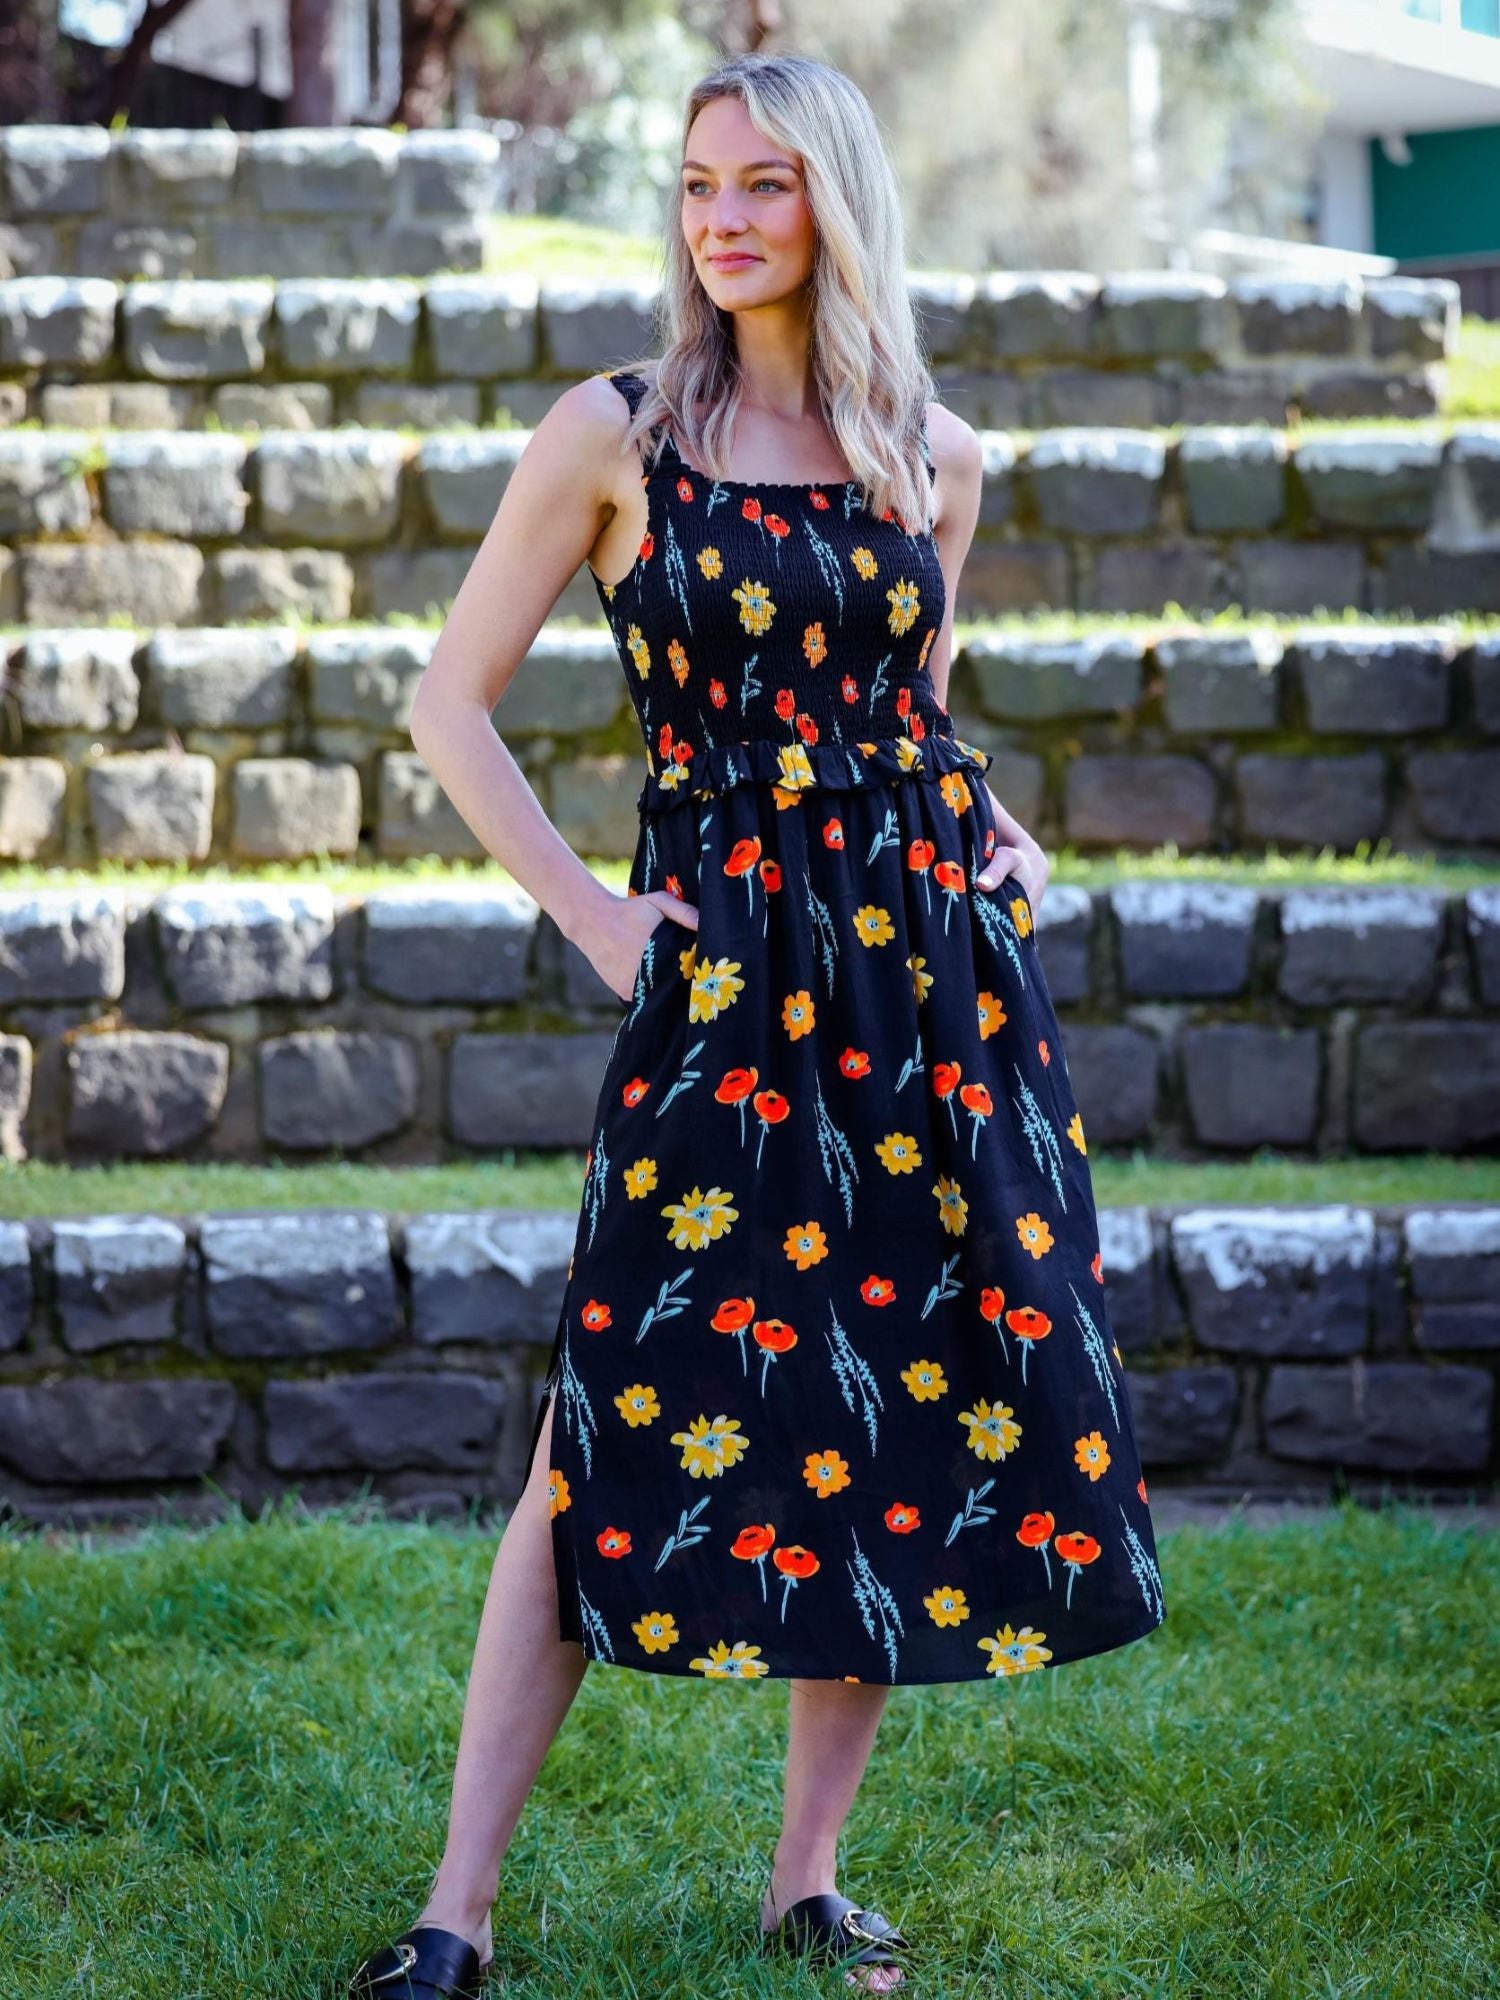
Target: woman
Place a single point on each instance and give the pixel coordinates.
(839, 1402)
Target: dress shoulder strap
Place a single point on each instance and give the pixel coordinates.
(632, 387)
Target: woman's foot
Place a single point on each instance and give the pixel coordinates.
(787, 1888)
(451, 1914)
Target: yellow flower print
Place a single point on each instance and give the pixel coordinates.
(926, 1380)
(657, 1630)
(872, 925)
(1075, 1132)
(947, 1606)
(709, 1444)
(1016, 1652)
(814, 645)
(756, 608)
(992, 1016)
(906, 603)
(639, 651)
(677, 660)
(953, 1210)
(640, 1179)
(796, 767)
(609, 591)
(898, 1153)
(864, 562)
(908, 753)
(711, 563)
(700, 1219)
(739, 1662)
(1034, 1234)
(715, 987)
(798, 1013)
(558, 1496)
(921, 979)
(1020, 912)
(805, 1244)
(993, 1430)
(826, 1473)
(1091, 1455)
(638, 1404)
(954, 787)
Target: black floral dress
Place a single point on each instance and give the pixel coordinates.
(836, 1392)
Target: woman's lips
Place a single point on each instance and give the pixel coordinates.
(732, 260)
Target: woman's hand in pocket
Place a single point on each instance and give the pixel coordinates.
(1016, 853)
(618, 943)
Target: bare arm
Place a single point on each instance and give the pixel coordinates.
(959, 460)
(558, 498)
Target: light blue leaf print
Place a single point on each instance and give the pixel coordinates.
(888, 836)
(1000, 932)
(947, 1287)
(1098, 1354)
(835, 1152)
(578, 1412)
(854, 1375)
(717, 492)
(829, 568)
(749, 685)
(1143, 1569)
(877, 685)
(596, 1183)
(676, 572)
(913, 1066)
(667, 1305)
(686, 1077)
(595, 1629)
(826, 937)
(856, 766)
(971, 1514)
(689, 1530)
(1043, 1140)
(874, 1599)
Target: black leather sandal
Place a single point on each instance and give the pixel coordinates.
(833, 1930)
(425, 1963)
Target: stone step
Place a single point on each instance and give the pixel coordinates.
(181, 528)
(1266, 1351)
(262, 744)
(433, 1021)
(1015, 349)
(78, 198)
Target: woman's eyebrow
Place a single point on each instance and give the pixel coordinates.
(749, 166)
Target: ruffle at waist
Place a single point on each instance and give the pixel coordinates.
(799, 767)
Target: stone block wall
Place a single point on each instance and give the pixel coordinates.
(184, 528)
(427, 1022)
(1014, 350)
(1267, 1351)
(78, 200)
(251, 744)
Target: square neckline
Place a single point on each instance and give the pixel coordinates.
(664, 463)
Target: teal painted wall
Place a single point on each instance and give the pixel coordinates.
(1446, 203)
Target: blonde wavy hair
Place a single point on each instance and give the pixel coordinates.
(872, 375)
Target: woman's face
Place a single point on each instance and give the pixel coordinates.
(745, 214)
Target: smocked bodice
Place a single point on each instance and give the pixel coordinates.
(775, 630)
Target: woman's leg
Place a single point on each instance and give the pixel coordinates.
(832, 1731)
(521, 1683)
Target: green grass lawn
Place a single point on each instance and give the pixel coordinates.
(225, 1758)
(555, 1180)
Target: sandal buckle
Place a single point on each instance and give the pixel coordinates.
(408, 1956)
(851, 1923)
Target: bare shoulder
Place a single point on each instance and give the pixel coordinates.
(955, 445)
(586, 426)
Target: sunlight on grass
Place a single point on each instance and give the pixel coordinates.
(555, 1181)
(1473, 388)
(226, 1755)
